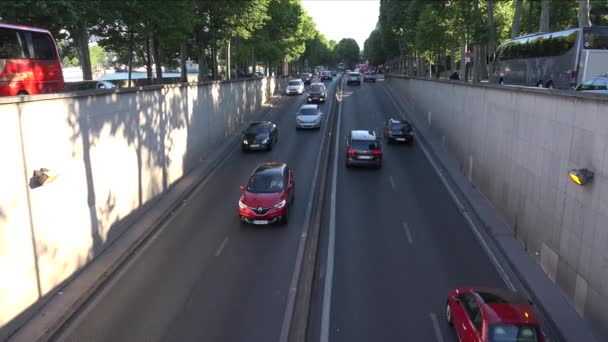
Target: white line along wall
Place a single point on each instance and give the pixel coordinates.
(517, 145)
(113, 154)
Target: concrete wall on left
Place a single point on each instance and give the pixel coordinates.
(113, 153)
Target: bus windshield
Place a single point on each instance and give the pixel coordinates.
(595, 38)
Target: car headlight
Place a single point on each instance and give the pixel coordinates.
(265, 141)
(242, 205)
(280, 204)
(245, 142)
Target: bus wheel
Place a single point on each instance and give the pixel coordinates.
(22, 92)
(501, 81)
(550, 85)
(539, 84)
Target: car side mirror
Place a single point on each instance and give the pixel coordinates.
(242, 187)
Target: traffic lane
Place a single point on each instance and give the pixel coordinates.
(372, 289)
(157, 285)
(235, 301)
(443, 252)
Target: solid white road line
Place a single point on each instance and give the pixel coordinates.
(408, 234)
(329, 270)
(436, 327)
(221, 248)
(293, 286)
(392, 181)
(467, 217)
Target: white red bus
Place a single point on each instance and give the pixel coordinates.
(29, 61)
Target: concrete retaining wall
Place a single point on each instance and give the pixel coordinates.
(113, 154)
(516, 145)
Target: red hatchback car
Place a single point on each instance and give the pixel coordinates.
(489, 315)
(268, 194)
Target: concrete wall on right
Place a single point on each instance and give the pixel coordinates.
(517, 146)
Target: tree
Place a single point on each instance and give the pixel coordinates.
(583, 13)
(98, 57)
(347, 51)
(516, 19)
(545, 15)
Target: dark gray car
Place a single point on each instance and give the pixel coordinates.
(363, 148)
(261, 135)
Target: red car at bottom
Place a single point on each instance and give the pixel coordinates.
(268, 194)
(489, 315)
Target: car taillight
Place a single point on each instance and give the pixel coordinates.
(573, 75)
(377, 152)
(351, 152)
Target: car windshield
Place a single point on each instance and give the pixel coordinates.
(513, 333)
(257, 129)
(398, 126)
(354, 74)
(308, 111)
(364, 145)
(294, 83)
(265, 183)
(316, 89)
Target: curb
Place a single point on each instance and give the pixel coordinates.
(176, 197)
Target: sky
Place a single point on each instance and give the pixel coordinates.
(338, 19)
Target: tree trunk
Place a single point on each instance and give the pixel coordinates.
(85, 58)
(516, 19)
(228, 65)
(253, 66)
(452, 57)
(530, 22)
(545, 15)
(463, 60)
(148, 60)
(484, 62)
(130, 57)
(157, 62)
(475, 74)
(491, 29)
(583, 13)
(183, 52)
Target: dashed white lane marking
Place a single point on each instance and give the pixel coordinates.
(407, 231)
(436, 327)
(221, 247)
(392, 181)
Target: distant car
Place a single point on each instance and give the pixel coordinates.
(268, 194)
(317, 93)
(261, 135)
(306, 77)
(334, 73)
(489, 315)
(295, 87)
(597, 85)
(353, 78)
(369, 77)
(326, 75)
(309, 116)
(363, 148)
(396, 130)
(105, 85)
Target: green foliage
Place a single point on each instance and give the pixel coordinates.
(98, 57)
(347, 51)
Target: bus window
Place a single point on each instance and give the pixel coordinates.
(29, 62)
(596, 38)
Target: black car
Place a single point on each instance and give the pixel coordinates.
(363, 148)
(317, 93)
(396, 130)
(261, 135)
(306, 78)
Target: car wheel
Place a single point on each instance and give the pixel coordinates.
(243, 222)
(448, 313)
(269, 146)
(285, 218)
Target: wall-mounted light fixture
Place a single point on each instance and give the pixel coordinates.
(580, 176)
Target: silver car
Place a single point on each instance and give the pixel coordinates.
(295, 87)
(597, 85)
(309, 116)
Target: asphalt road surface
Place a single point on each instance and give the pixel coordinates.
(205, 277)
(400, 244)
